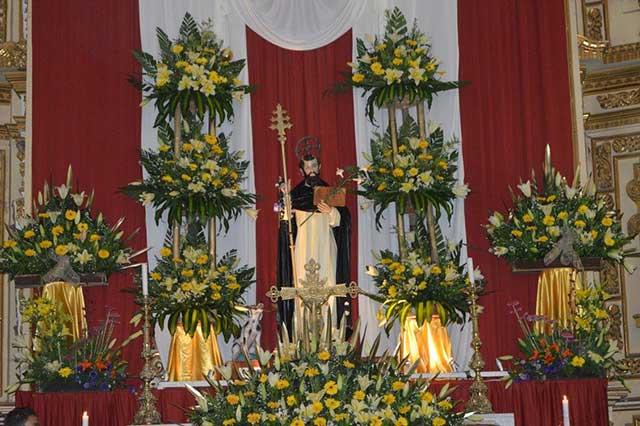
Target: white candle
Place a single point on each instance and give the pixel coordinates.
(565, 411)
(145, 284)
(85, 419)
(472, 279)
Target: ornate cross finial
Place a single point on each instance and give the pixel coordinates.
(280, 122)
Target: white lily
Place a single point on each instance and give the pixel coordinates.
(525, 188)
(226, 371)
(496, 219)
(252, 213)
(570, 192)
(433, 126)
(500, 251)
(200, 399)
(372, 271)
(461, 190)
(147, 198)
(78, 198)
(629, 265)
(228, 192)
(63, 190)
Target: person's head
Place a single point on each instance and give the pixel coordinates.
(21, 417)
(310, 168)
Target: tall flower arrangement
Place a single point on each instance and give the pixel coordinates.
(194, 178)
(414, 167)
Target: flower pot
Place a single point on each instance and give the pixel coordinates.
(527, 266)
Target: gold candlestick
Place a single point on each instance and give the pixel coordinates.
(148, 413)
(478, 402)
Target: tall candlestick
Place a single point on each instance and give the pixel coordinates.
(145, 283)
(85, 419)
(472, 278)
(565, 411)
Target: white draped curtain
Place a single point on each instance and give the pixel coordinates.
(305, 25)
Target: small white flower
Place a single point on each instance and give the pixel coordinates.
(184, 162)
(364, 206)
(496, 219)
(252, 213)
(433, 126)
(195, 187)
(123, 258)
(525, 188)
(84, 257)
(395, 37)
(500, 251)
(358, 180)
(78, 198)
(340, 172)
(372, 271)
(63, 190)
(228, 192)
(146, 198)
(461, 191)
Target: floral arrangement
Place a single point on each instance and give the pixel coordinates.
(417, 285)
(63, 224)
(192, 290)
(330, 387)
(539, 216)
(423, 172)
(194, 69)
(583, 350)
(397, 66)
(203, 182)
(54, 363)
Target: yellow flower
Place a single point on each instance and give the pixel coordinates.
(273, 404)
(185, 177)
(516, 233)
(211, 139)
(317, 407)
(577, 361)
(167, 179)
(229, 422)
(165, 251)
(263, 378)
(70, 214)
(608, 241)
(551, 198)
(282, 384)
(177, 49)
(601, 314)
(155, 276)
(543, 238)
(393, 291)
(216, 296)
(62, 249)
(527, 218)
(382, 186)
(332, 404)
(9, 244)
(57, 230)
(380, 47)
(397, 172)
(359, 395)
(320, 421)
(397, 61)
(583, 209)
(357, 77)
(331, 388)
(401, 422)
(297, 422)
(594, 234)
(443, 164)
(438, 421)
(187, 273)
(324, 356)
(549, 220)
(404, 409)
(103, 254)
(45, 244)
(291, 400)
(377, 69)
(607, 221)
(444, 404)
(233, 399)
(427, 397)
(29, 234)
(253, 418)
(389, 399)
(436, 270)
(580, 223)
(348, 364)
(65, 372)
(82, 227)
(413, 171)
(397, 385)
(30, 252)
(563, 215)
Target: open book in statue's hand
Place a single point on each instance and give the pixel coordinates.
(332, 195)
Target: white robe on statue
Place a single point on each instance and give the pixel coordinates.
(315, 241)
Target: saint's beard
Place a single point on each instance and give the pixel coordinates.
(312, 180)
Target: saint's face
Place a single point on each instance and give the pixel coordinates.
(310, 168)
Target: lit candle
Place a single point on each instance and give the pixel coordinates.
(565, 411)
(85, 419)
(145, 284)
(472, 279)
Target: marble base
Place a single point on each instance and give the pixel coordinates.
(496, 419)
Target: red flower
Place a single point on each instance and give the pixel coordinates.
(548, 358)
(100, 365)
(85, 365)
(554, 347)
(534, 355)
(567, 353)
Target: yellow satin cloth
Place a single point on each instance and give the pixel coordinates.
(430, 345)
(554, 295)
(192, 358)
(71, 298)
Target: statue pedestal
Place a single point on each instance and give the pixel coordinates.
(501, 419)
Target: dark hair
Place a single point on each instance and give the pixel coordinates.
(307, 157)
(18, 416)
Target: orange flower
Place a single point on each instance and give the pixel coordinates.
(554, 347)
(85, 365)
(548, 358)
(100, 365)
(534, 355)
(567, 353)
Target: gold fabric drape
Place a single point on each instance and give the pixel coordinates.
(553, 299)
(430, 345)
(192, 358)
(71, 298)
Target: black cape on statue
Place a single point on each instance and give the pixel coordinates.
(302, 199)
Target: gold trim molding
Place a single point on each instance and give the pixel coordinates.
(621, 53)
(619, 99)
(17, 80)
(13, 55)
(614, 79)
(607, 120)
(5, 94)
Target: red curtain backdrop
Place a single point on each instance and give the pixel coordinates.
(86, 114)
(298, 81)
(513, 53)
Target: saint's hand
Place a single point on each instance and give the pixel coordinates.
(324, 207)
(285, 187)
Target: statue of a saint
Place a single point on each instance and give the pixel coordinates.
(320, 232)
